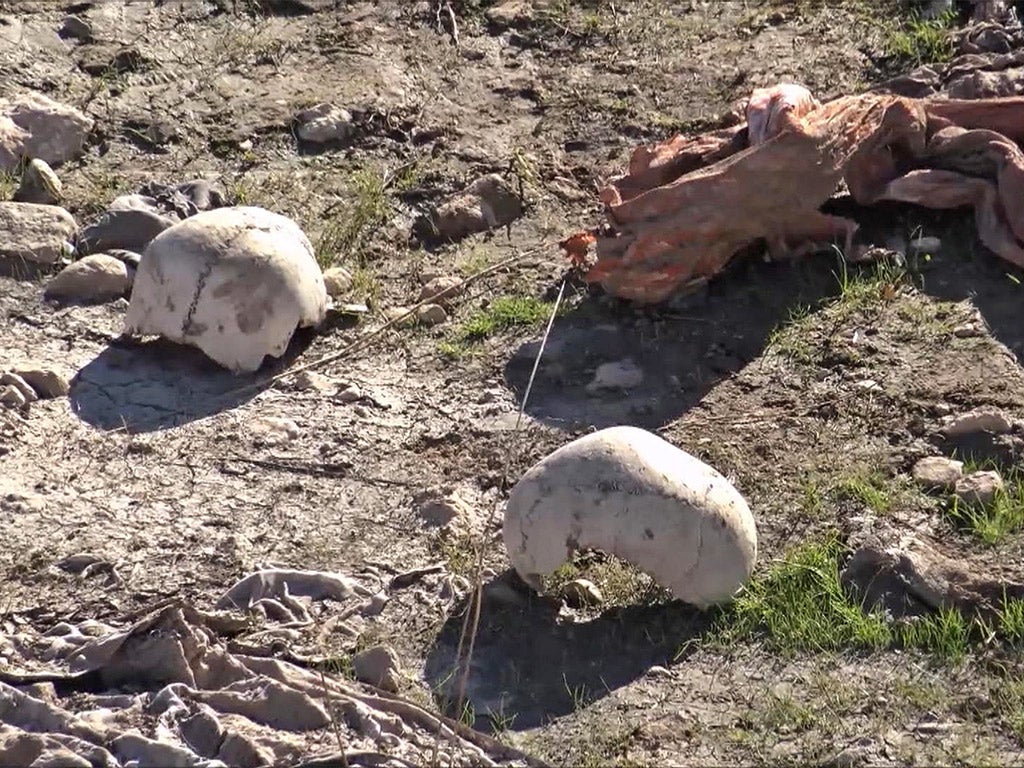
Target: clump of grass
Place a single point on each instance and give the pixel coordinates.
(367, 210)
(992, 523)
(620, 583)
(871, 489)
(502, 314)
(918, 41)
(8, 185)
(800, 605)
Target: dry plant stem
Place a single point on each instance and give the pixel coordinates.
(391, 323)
(343, 760)
(471, 626)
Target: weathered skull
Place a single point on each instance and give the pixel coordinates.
(234, 282)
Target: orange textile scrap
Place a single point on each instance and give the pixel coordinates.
(687, 206)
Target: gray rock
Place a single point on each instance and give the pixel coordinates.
(487, 203)
(397, 315)
(34, 125)
(377, 666)
(77, 28)
(938, 473)
(19, 383)
(126, 229)
(431, 314)
(39, 184)
(35, 233)
(95, 278)
(979, 488)
(46, 382)
(324, 123)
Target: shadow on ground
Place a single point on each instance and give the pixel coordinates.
(159, 385)
(530, 664)
(683, 349)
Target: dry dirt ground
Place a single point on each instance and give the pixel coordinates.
(812, 389)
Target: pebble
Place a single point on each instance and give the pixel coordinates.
(19, 383)
(76, 27)
(337, 280)
(979, 488)
(431, 314)
(277, 429)
(938, 473)
(440, 288)
(622, 374)
(324, 123)
(39, 184)
(306, 381)
(377, 666)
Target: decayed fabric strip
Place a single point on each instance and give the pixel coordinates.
(688, 206)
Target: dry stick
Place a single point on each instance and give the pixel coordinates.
(391, 323)
(474, 626)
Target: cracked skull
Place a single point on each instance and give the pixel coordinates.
(632, 494)
(234, 282)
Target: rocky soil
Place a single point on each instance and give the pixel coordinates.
(418, 144)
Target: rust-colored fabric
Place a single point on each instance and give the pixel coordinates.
(687, 206)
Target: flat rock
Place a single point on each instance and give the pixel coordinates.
(77, 28)
(488, 202)
(938, 473)
(234, 282)
(632, 494)
(618, 375)
(37, 233)
(377, 666)
(979, 488)
(95, 278)
(980, 420)
(123, 228)
(46, 382)
(34, 125)
(324, 123)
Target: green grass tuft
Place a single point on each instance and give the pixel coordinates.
(919, 41)
(502, 314)
(992, 524)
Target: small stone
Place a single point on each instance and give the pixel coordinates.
(12, 396)
(277, 429)
(869, 385)
(324, 123)
(76, 27)
(306, 381)
(350, 393)
(47, 383)
(36, 233)
(376, 604)
(337, 280)
(488, 202)
(441, 508)
(441, 288)
(39, 184)
(981, 420)
(34, 125)
(622, 374)
(431, 314)
(582, 592)
(979, 488)
(400, 317)
(938, 473)
(377, 666)
(94, 278)
(925, 245)
(16, 381)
